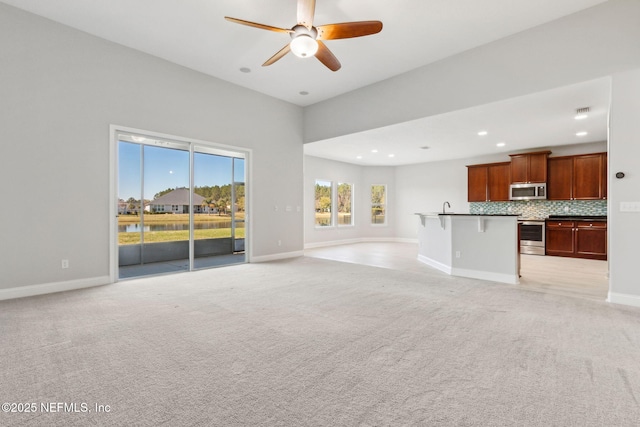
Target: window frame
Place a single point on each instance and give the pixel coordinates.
(351, 204)
(382, 205)
(331, 210)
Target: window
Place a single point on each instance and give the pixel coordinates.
(378, 204)
(345, 204)
(323, 204)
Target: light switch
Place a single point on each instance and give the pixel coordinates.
(629, 206)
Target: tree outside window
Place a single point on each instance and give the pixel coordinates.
(378, 204)
(345, 204)
(323, 204)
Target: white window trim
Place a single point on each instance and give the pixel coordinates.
(385, 205)
(332, 226)
(353, 216)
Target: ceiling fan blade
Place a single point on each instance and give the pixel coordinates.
(306, 10)
(346, 30)
(325, 56)
(282, 52)
(256, 25)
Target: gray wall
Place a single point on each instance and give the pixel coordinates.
(61, 89)
(624, 156)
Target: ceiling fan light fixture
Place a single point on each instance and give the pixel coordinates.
(304, 46)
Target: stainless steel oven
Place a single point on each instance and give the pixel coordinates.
(532, 240)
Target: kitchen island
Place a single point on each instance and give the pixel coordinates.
(477, 246)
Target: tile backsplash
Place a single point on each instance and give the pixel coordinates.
(541, 208)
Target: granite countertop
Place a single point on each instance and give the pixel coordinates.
(461, 214)
(470, 214)
(578, 217)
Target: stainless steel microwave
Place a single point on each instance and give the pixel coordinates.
(532, 191)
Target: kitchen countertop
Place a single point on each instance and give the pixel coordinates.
(577, 217)
(462, 214)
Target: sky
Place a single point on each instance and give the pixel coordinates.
(169, 168)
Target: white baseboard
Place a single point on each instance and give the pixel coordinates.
(275, 257)
(358, 240)
(473, 274)
(511, 279)
(49, 288)
(625, 299)
(435, 264)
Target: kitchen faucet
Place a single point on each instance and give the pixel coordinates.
(445, 203)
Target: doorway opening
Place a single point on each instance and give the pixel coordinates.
(181, 205)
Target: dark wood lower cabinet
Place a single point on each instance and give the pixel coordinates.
(577, 239)
(591, 240)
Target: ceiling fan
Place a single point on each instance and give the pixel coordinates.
(307, 39)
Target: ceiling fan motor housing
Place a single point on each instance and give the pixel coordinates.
(303, 43)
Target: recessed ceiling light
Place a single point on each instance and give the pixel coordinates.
(483, 133)
(500, 144)
(245, 70)
(358, 157)
(304, 92)
(583, 133)
(374, 151)
(392, 155)
(581, 116)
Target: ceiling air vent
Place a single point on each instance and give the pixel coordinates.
(426, 147)
(583, 110)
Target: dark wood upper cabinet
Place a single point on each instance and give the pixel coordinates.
(587, 177)
(477, 179)
(499, 179)
(560, 178)
(582, 177)
(488, 182)
(529, 167)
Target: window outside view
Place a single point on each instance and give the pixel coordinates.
(155, 202)
(345, 204)
(323, 199)
(378, 204)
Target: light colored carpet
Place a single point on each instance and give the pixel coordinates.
(313, 342)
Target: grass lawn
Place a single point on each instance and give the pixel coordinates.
(171, 236)
(173, 218)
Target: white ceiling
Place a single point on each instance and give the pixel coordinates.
(195, 34)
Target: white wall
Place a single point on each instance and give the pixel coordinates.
(624, 156)
(362, 178)
(61, 89)
(590, 44)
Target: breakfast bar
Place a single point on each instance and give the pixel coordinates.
(468, 245)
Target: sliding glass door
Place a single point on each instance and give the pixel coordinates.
(180, 206)
(218, 208)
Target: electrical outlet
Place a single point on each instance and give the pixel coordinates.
(279, 242)
(65, 263)
(457, 254)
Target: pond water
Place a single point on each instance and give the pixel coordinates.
(135, 228)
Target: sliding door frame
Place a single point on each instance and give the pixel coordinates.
(114, 131)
